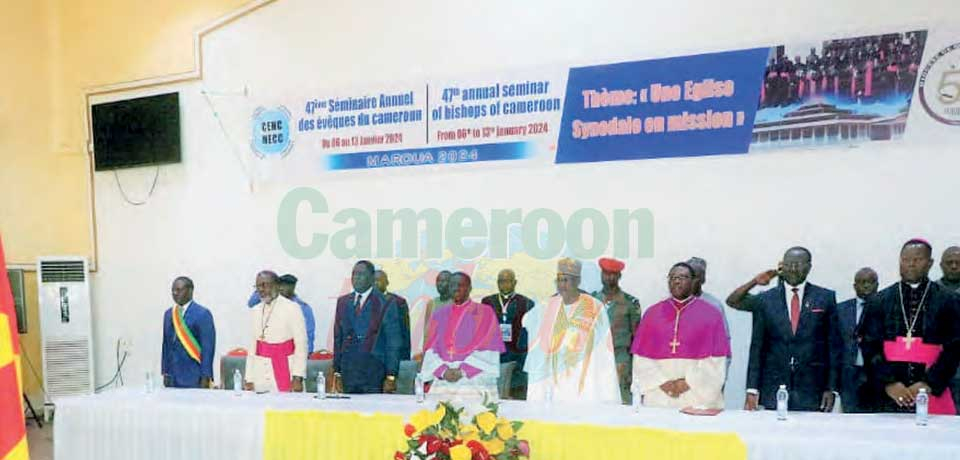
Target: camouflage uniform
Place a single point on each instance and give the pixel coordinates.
(624, 312)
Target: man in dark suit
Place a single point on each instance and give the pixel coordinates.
(950, 266)
(796, 338)
(510, 308)
(403, 311)
(850, 313)
(366, 337)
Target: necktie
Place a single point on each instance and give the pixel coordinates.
(356, 304)
(794, 310)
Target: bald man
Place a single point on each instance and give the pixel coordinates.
(950, 266)
(444, 296)
(850, 313)
(510, 308)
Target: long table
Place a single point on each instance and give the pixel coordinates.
(209, 425)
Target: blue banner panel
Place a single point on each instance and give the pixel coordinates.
(674, 107)
(431, 155)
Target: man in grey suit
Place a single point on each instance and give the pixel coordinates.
(850, 313)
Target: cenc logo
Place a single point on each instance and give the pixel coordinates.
(271, 132)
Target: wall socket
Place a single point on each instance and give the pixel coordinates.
(126, 346)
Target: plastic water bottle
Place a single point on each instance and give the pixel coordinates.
(636, 397)
(783, 398)
(923, 403)
(321, 386)
(237, 382)
(148, 385)
(418, 388)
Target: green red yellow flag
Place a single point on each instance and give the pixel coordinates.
(13, 436)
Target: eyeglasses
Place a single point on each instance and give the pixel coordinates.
(795, 265)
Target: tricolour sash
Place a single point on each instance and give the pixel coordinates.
(184, 334)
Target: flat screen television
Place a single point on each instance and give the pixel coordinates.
(136, 132)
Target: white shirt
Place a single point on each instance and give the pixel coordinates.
(860, 303)
(184, 307)
(788, 294)
(363, 297)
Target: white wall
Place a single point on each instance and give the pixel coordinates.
(852, 207)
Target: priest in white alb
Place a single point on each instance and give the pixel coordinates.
(462, 352)
(277, 357)
(570, 358)
(681, 348)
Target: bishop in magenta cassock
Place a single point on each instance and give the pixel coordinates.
(680, 349)
(462, 352)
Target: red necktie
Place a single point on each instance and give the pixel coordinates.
(795, 310)
(357, 305)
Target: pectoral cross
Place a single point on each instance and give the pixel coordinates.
(909, 340)
(674, 345)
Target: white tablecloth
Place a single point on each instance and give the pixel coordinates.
(209, 425)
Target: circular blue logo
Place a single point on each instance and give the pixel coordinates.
(271, 132)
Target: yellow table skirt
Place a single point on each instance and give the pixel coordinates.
(348, 435)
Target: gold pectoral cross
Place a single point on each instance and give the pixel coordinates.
(674, 345)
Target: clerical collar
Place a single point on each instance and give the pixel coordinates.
(917, 285)
(682, 302)
(464, 304)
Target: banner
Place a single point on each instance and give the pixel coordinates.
(835, 91)
(433, 123)
(13, 436)
(689, 106)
